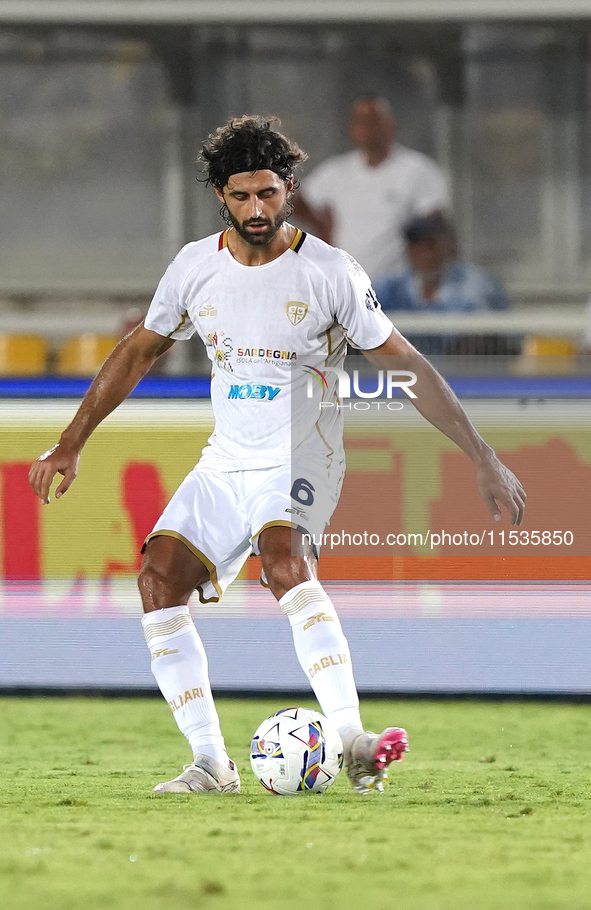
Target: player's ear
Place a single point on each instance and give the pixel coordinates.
(219, 194)
(289, 184)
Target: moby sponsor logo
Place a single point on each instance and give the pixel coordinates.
(253, 390)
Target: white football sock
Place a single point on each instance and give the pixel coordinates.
(179, 664)
(323, 654)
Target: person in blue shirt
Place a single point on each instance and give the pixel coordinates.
(437, 281)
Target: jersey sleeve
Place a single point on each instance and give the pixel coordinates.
(167, 314)
(358, 310)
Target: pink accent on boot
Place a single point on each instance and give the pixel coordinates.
(392, 745)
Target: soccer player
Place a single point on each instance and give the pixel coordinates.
(264, 297)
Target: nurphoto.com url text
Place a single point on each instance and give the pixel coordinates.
(432, 539)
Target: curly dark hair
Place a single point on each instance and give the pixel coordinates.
(248, 144)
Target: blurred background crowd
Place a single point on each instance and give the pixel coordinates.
(450, 157)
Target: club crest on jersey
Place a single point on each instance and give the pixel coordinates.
(208, 310)
(296, 311)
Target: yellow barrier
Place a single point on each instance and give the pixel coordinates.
(402, 479)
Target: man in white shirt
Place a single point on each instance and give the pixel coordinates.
(361, 201)
(264, 298)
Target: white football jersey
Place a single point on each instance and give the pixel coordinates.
(262, 326)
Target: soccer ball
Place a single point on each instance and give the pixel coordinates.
(296, 750)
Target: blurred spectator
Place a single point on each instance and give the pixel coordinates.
(437, 281)
(586, 339)
(361, 200)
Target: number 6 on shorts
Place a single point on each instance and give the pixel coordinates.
(302, 491)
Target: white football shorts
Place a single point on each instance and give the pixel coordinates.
(220, 514)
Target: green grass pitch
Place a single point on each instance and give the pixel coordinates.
(489, 811)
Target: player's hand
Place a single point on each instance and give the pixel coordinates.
(499, 486)
(59, 460)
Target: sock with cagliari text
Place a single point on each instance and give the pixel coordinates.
(179, 664)
(323, 654)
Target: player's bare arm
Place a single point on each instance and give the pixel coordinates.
(438, 404)
(129, 361)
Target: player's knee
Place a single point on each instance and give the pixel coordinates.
(288, 560)
(170, 573)
(158, 589)
(285, 571)
(151, 579)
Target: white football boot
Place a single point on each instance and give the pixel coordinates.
(368, 757)
(204, 775)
